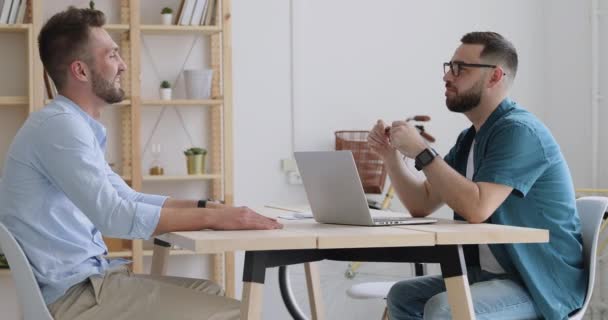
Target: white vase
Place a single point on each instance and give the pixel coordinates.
(165, 93)
(198, 83)
(167, 18)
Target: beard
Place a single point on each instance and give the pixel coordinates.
(466, 101)
(105, 89)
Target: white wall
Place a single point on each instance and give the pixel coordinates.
(567, 75)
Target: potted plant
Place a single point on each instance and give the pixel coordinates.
(165, 90)
(195, 160)
(3, 262)
(167, 15)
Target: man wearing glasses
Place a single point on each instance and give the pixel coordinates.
(505, 169)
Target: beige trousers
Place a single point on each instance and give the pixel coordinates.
(121, 294)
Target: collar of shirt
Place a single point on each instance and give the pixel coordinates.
(505, 106)
(98, 129)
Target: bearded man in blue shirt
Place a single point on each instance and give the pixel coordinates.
(58, 195)
(505, 169)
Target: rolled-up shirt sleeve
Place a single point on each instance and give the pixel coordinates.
(128, 193)
(74, 163)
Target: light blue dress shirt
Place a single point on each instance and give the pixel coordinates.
(58, 196)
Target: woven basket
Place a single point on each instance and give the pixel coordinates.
(369, 165)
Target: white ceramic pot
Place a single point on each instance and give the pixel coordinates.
(167, 19)
(165, 93)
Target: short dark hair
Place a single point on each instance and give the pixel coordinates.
(495, 47)
(64, 38)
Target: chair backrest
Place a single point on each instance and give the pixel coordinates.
(30, 299)
(591, 210)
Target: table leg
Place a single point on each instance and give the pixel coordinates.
(160, 255)
(251, 302)
(459, 295)
(254, 274)
(315, 296)
(454, 272)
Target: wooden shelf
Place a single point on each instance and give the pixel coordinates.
(163, 29)
(123, 103)
(183, 102)
(192, 177)
(13, 100)
(116, 27)
(15, 27)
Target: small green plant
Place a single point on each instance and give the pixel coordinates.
(165, 84)
(3, 262)
(195, 150)
(166, 10)
(92, 5)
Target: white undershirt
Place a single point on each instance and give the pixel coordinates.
(486, 259)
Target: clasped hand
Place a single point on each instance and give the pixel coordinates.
(400, 136)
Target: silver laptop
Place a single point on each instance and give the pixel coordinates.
(335, 191)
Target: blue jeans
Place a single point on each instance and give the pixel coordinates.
(494, 297)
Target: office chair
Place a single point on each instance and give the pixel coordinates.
(591, 210)
(30, 299)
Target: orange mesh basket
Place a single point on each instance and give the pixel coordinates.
(369, 165)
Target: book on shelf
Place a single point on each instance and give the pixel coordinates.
(179, 11)
(12, 18)
(187, 11)
(6, 10)
(21, 12)
(28, 12)
(209, 17)
(199, 8)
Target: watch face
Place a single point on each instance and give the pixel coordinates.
(425, 156)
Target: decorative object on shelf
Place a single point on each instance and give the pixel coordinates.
(167, 16)
(165, 90)
(92, 5)
(156, 168)
(198, 83)
(195, 160)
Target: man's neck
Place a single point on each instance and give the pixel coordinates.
(482, 112)
(89, 103)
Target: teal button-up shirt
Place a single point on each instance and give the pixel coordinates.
(515, 149)
(58, 196)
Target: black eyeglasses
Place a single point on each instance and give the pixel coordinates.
(456, 66)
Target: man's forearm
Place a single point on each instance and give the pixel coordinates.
(473, 201)
(183, 219)
(175, 203)
(411, 191)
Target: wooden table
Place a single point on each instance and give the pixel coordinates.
(305, 241)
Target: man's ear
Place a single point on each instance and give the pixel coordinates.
(79, 70)
(497, 75)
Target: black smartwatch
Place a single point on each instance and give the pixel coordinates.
(201, 204)
(425, 157)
